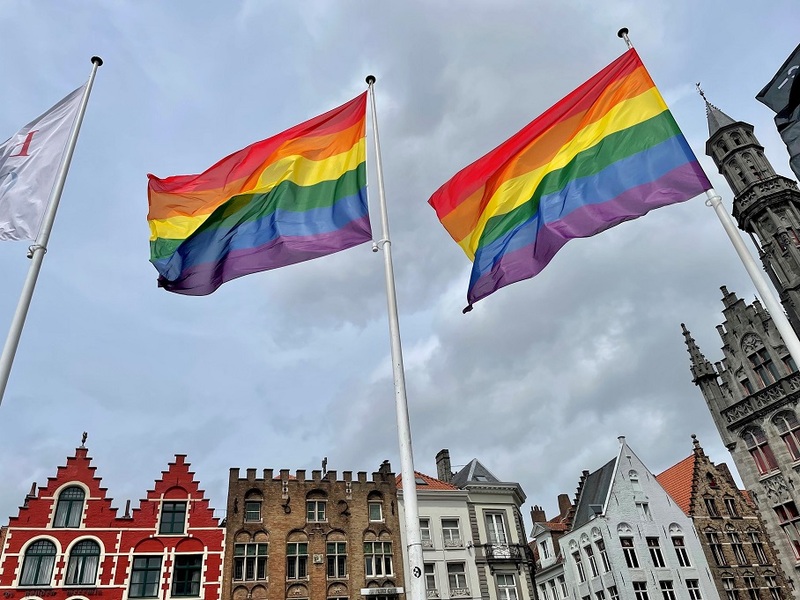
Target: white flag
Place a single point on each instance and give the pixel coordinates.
(29, 162)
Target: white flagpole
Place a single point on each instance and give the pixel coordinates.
(37, 251)
(413, 536)
(772, 305)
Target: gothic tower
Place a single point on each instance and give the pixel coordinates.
(753, 392)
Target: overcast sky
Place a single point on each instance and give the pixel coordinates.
(283, 368)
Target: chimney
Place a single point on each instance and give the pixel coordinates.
(537, 515)
(564, 505)
(443, 472)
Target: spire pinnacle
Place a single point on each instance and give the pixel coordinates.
(716, 118)
(700, 366)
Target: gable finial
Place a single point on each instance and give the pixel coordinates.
(701, 92)
(83, 439)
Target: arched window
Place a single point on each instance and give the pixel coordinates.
(37, 567)
(789, 428)
(759, 449)
(82, 565)
(69, 508)
(762, 364)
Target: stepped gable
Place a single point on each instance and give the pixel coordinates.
(176, 483)
(38, 508)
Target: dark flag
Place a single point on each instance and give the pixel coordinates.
(782, 95)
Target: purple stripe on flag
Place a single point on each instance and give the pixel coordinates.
(679, 185)
(203, 279)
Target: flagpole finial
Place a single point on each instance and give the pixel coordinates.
(623, 34)
(371, 79)
(96, 60)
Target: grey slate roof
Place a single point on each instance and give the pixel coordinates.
(593, 494)
(716, 119)
(473, 472)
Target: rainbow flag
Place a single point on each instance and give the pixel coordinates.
(295, 196)
(607, 153)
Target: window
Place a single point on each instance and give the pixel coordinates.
(378, 559)
(544, 550)
(376, 511)
(774, 590)
(425, 533)
(788, 361)
(337, 559)
(644, 511)
(613, 593)
(655, 552)
(716, 548)
(507, 587)
(711, 507)
(759, 449)
(789, 428)
(601, 595)
(667, 592)
(252, 511)
(451, 534)
(731, 593)
(186, 575)
(758, 547)
(790, 520)
(553, 589)
(630, 552)
(173, 518)
(764, 367)
(562, 583)
(37, 566)
(543, 590)
(680, 551)
(693, 586)
(297, 560)
(576, 556)
(456, 577)
(82, 565)
(496, 528)
(738, 549)
(730, 507)
(712, 483)
(69, 507)
(750, 584)
(633, 477)
(430, 577)
(640, 590)
(315, 511)
(145, 576)
(601, 547)
(592, 561)
(250, 562)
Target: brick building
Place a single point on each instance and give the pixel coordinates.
(321, 538)
(742, 560)
(67, 541)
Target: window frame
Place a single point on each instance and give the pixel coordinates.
(680, 551)
(190, 575)
(316, 510)
(147, 570)
(378, 559)
(297, 561)
(629, 551)
(34, 556)
(457, 576)
(246, 562)
(75, 573)
(656, 556)
(69, 510)
(336, 567)
(372, 504)
(170, 508)
(249, 512)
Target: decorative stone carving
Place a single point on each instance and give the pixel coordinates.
(750, 341)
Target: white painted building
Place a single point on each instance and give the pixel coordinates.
(630, 541)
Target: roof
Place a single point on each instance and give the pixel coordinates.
(677, 481)
(716, 119)
(593, 493)
(427, 482)
(474, 472)
(555, 526)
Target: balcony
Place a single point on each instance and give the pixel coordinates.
(516, 554)
(459, 593)
(453, 543)
(432, 593)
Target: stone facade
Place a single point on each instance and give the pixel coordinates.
(314, 538)
(738, 550)
(752, 393)
(630, 541)
(67, 541)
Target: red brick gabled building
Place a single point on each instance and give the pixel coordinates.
(67, 542)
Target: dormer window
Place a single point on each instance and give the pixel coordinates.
(69, 508)
(173, 518)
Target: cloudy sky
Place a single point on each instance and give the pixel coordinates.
(283, 368)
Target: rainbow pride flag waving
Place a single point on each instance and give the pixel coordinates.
(607, 153)
(295, 196)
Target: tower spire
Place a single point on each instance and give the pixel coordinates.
(716, 118)
(701, 367)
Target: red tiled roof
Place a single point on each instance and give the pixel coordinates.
(677, 480)
(555, 526)
(430, 483)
